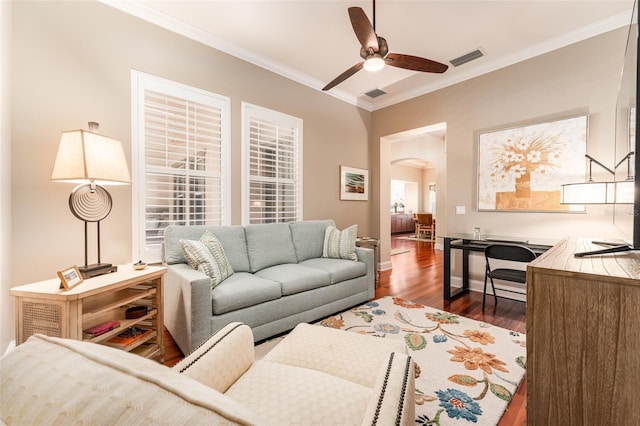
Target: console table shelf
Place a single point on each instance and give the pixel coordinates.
(43, 307)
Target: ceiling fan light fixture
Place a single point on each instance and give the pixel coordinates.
(374, 63)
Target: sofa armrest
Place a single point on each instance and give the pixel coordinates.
(393, 397)
(222, 359)
(367, 256)
(187, 306)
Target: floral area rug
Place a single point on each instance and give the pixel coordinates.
(469, 370)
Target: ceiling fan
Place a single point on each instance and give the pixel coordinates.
(375, 51)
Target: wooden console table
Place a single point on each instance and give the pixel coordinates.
(583, 316)
(467, 243)
(43, 307)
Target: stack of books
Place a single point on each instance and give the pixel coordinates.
(128, 336)
(100, 329)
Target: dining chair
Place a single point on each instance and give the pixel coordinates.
(505, 252)
(425, 225)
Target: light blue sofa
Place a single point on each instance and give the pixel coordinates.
(280, 280)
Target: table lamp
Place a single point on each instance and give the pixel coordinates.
(90, 160)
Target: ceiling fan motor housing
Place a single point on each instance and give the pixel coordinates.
(383, 49)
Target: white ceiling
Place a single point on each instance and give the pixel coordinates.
(312, 42)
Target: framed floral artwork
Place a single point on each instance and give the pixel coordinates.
(522, 168)
(354, 183)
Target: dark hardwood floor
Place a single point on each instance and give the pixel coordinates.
(417, 276)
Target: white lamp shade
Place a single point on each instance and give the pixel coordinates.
(85, 156)
(598, 193)
(625, 191)
(588, 193)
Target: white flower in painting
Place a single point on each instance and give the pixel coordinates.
(553, 155)
(542, 169)
(522, 144)
(512, 157)
(534, 156)
(518, 170)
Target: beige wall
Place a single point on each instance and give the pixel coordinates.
(579, 79)
(414, 176)
(71, 65)
(6, 307)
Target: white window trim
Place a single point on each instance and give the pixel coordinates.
(248, 111)
(139, 82)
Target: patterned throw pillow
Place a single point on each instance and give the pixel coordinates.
(200, 256)
(223, 268)
(340, 244)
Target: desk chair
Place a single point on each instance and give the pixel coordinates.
(510, 252)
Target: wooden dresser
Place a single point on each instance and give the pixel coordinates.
(402, 223)
(583, 337)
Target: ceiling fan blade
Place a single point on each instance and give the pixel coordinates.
(363, 29)
(345, 75)
(414, 63)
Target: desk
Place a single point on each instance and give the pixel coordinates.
(467, 243)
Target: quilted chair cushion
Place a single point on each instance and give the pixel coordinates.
(351, 356)
(230, 351)
(49, 380)
(314, 398)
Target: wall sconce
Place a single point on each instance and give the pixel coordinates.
(591, 192)
(90, 160)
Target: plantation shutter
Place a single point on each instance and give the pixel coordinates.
(183, 154)
(273, 148)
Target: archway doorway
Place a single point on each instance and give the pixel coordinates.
(425, 146)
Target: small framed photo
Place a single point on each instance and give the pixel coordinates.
(354, 183)
(69, 277)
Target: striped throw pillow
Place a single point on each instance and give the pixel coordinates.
(200, 256)
(340, 244)
(223, 268)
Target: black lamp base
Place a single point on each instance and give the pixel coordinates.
(96, 269)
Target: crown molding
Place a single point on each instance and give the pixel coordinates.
(609, 24)
(146, 13)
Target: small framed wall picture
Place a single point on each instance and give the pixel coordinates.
(69, 277)
(354, 183)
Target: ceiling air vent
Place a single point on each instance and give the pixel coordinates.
(375, 93)
(467, 57)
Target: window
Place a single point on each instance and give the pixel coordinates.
(272, 168)
(180, 160)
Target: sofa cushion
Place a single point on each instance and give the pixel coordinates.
(338, 269)
(340, 244)
(269, 244)
(316, 398)
(308, 237)
(49, 380)
(231, 238)
(241, 290)
(294, 278)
